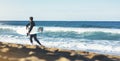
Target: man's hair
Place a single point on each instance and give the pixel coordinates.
(31, 18)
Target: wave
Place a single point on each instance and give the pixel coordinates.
(67, 29)
(85, 35)
(104, 40)
(65, 32)
(82, 30)
(93, 47)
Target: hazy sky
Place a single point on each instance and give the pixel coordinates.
(60, 9)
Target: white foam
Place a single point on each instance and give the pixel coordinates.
(94, 47)
(68, 43)
(64, 29)
(13, 40)
(14, 28)
(81, 30)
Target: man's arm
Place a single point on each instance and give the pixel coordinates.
(31, 27)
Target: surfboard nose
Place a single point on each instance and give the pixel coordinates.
(40, 29)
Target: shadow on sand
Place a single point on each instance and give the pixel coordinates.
(17, 52)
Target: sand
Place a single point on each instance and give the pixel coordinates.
(19, 52)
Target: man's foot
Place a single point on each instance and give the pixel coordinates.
(42, 46)
(32, 43)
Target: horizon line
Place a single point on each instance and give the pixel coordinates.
(60, 20)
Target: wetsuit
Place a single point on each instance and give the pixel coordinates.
(32, 24)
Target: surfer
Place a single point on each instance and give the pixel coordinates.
(30, 26)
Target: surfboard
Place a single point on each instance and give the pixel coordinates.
(35, 30)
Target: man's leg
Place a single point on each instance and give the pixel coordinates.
(31, 36)
(35, 37)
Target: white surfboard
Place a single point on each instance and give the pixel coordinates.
(35, 30)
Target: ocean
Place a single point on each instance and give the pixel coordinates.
(92, 36)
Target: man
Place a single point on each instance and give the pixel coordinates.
(30, 26)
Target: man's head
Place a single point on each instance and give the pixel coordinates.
(31, 18)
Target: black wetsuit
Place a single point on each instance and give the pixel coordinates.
(32, 24)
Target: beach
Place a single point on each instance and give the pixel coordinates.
(24, 52)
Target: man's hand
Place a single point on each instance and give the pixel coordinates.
(28, 33)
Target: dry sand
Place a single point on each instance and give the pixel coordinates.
(18, 52)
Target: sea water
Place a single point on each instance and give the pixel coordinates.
(93, 36)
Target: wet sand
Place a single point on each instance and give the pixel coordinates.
(19, 52)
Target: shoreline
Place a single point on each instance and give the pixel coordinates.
(24, 52)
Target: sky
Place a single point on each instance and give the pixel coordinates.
(60, 9)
